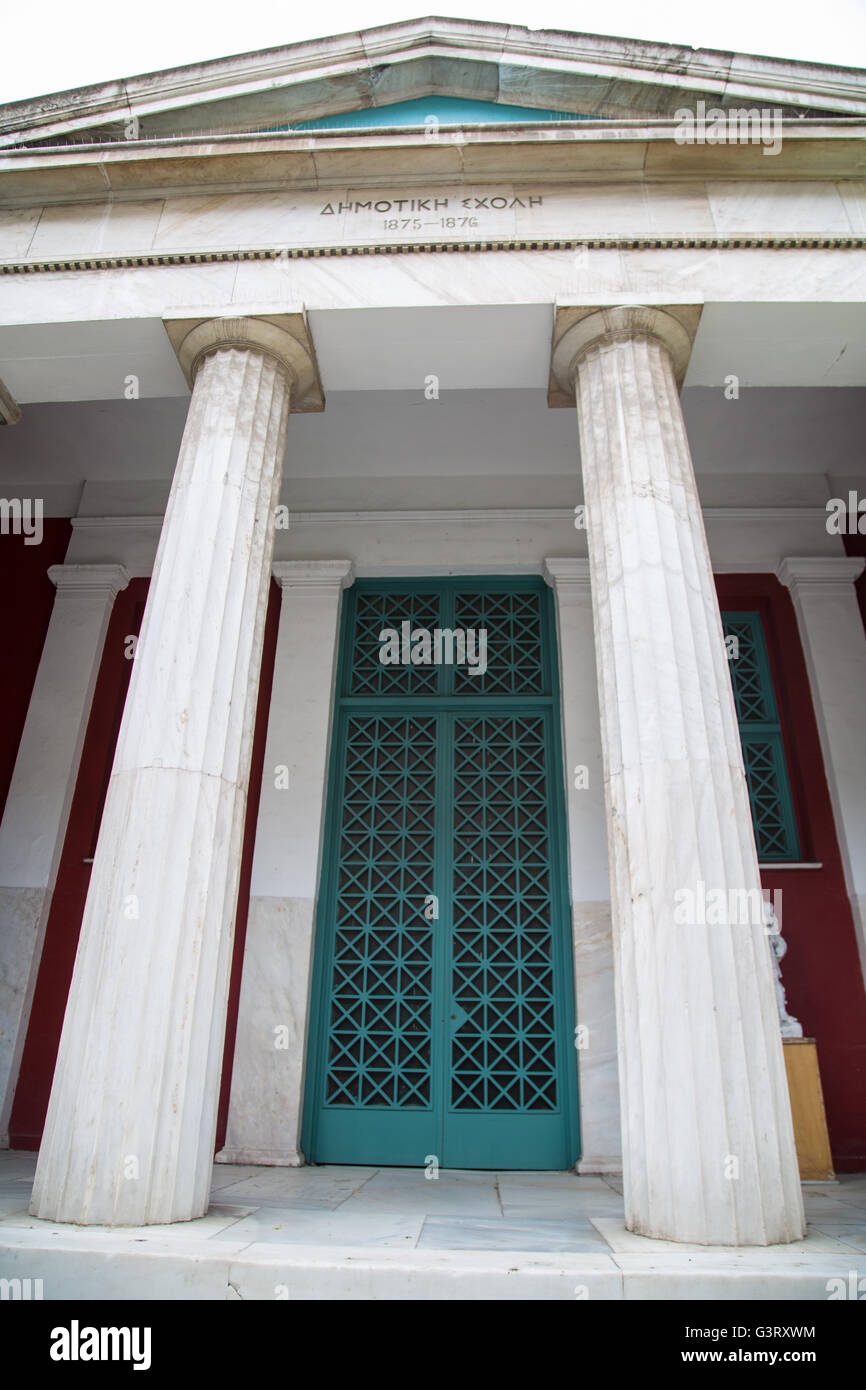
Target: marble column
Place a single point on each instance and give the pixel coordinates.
(264, 1124)
(40, 795)
(834, 647)
(132, 1117)
(708, 1149)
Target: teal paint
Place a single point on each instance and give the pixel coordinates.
(761, 738)
(446, 110)
(450, 1034)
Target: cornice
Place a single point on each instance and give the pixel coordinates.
(589, 151)
(474, 515)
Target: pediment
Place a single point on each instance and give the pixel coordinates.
(482, 73)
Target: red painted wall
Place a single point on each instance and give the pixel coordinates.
(73, 878)
(26, 600)
(73, 874)
(821, 970)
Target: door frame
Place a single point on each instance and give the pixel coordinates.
(562, 940)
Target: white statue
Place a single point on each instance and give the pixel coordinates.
(778, 946)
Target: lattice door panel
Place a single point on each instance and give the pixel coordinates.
(504, 1050)
(444, 1021)
(381, 994)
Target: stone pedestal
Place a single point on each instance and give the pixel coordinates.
(708, 1148)
(132, 1117)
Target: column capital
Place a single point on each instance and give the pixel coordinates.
(578, 329)
(284, 337)
(89, 578)
(840, 570)
(567, 573)
(305, 574)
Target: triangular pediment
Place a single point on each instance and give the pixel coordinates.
(490, 73)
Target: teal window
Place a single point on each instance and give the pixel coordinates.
(761, 738)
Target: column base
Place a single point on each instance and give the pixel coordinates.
(263, 1158)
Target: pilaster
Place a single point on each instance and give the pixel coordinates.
(40, 795)
(834, 647)
(266, 1103)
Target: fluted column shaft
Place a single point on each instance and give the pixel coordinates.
(708, 1152)
(132, 1118)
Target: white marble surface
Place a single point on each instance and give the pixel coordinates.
(708, 1151)
(131, 1121)
(346, 1233)
(600, 1124)
(266, 1104)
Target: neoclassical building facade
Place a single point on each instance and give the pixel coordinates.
(434, 622)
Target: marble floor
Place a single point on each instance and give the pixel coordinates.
(333, 1216)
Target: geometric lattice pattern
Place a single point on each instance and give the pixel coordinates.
(761, 738)
(441, 980)
(512, 621)
(753, 690)
(766, 777)
(379, 1028)
(383, 609)
(504, 1045)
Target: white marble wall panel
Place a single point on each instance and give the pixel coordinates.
(600, 1124)
(17, 226)
(803, 208)
(853, 195)
(95, 229)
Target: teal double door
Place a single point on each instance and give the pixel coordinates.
(442, 1018)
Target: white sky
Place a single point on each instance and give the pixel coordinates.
(57, 44)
